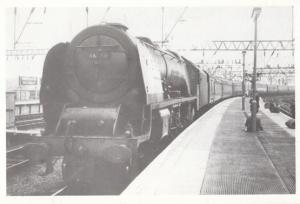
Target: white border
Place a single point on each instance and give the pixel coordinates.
(280, 199)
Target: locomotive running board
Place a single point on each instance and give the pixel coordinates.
(171, 102)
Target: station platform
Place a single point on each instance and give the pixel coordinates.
(215, 155)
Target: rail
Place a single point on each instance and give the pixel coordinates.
(13, 159)
(15, 163)
(60, 191)
(285, 111)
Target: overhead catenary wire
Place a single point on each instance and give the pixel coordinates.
(176, 22)
(15, 25)
(87, 16)
(24, 26)
(162, 26)
(104, 15)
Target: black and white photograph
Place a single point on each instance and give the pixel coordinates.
(149, 101)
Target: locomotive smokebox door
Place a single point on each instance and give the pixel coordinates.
(101, 64)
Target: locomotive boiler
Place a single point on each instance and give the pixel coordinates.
(107, 95)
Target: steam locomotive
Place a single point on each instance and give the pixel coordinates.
(106, 95)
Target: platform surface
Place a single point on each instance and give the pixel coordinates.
(216, 156)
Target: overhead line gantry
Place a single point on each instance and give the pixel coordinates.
(244, 45)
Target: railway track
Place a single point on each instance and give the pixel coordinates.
(15, 150)
(60, 191)
(15, 158)
(12, 164)
(285, 111)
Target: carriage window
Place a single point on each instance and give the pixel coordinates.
(32, 95)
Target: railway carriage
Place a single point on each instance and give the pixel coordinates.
(227, 89)
(217, 90)
(204, 87)
(237, 89)
(211, 90)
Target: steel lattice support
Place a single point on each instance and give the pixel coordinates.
(245, 45)
(263, 45)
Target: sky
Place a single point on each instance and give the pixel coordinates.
(198, 25)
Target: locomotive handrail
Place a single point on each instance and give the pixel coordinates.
(172, 102)
(161, 51)
(111, 48)
(104, 46)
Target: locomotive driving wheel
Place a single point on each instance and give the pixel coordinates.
(187, 114)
